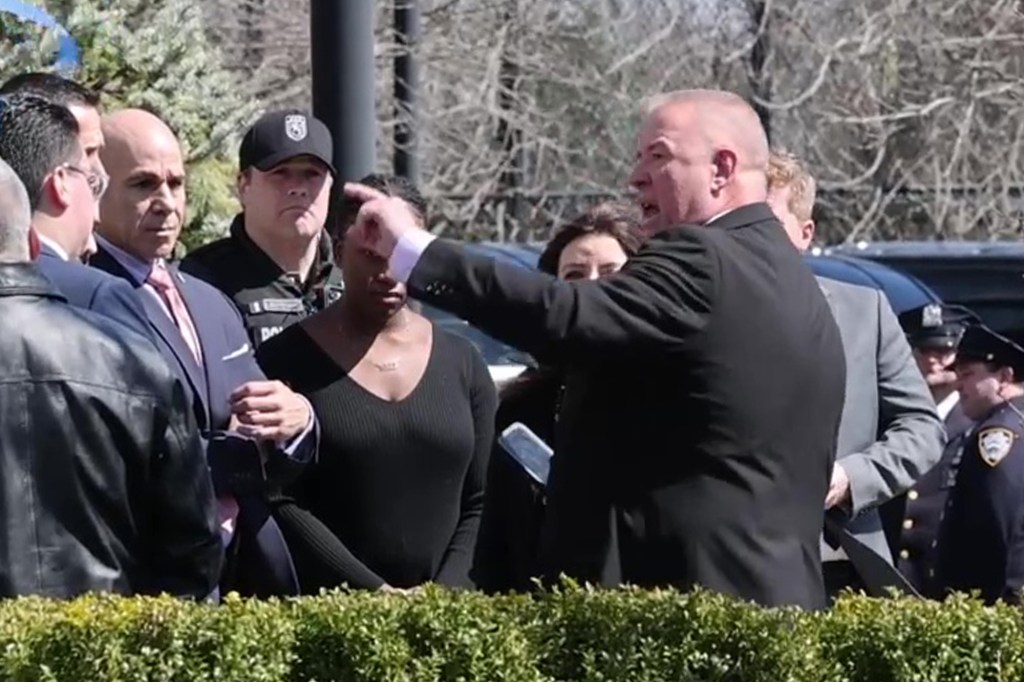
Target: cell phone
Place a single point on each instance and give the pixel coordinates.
(529, 450)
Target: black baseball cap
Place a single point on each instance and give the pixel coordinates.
(281, 135)
(936, 325)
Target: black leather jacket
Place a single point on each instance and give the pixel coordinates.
(103, 481)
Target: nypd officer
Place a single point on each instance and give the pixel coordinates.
(981, 543)
(912, 519)
(276, 262)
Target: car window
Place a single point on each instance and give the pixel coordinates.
(495, 352)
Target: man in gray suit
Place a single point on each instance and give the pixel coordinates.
(890, 433)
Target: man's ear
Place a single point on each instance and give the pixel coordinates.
(57, 189)
(242, 182)
(723, 168)
(808, 229)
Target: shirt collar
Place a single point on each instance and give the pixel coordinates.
(719, 215)
(319, 271)
(947, 404)
(53, 246)
(136, 267)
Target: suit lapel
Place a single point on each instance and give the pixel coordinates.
(164, 327)
(207, 327)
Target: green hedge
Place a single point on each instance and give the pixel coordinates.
(570, 634)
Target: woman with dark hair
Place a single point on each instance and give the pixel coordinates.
(595, 244)
(407, 420)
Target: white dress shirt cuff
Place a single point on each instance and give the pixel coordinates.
(298, 439)
(408, 250)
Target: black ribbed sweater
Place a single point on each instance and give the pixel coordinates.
(396, 493)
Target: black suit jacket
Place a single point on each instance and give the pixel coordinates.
(698, 427)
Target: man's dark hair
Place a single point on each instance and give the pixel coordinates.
(392, 185)
(36, 136)
(51, 87)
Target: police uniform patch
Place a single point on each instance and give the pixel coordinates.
(994, 444)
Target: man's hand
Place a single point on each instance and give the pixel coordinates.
(839, 488)
(381, 221)
(269, 410)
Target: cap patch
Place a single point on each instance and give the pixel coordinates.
(295, 127)
(931, 315)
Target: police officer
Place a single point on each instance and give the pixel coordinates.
(276, 263)
(981, 537)
(912, 520)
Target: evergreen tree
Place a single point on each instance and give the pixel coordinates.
(153, 54)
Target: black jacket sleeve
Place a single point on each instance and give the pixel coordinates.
(187, 552)
(657, 301)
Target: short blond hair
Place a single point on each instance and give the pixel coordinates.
(786, 171)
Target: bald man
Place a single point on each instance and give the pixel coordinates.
(698, 426)
(238, 409)
(103, 484)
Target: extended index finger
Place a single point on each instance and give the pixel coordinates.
(362, 193)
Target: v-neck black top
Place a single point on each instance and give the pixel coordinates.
(398, 484)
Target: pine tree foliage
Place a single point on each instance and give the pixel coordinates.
(153, 54)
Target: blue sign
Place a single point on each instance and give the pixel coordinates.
(67, 50)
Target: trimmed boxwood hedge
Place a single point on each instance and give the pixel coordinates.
(567, 634)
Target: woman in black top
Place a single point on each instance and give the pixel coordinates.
(406, 413)
(595, 244)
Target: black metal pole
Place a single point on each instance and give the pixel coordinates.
(760, 77)
(407, 34)
(341, 33)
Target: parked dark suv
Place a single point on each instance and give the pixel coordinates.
(987, 277)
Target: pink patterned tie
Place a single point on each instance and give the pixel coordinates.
(160, 279)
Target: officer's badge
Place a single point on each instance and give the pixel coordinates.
(994, 444)
(931, 315)
(295, 127)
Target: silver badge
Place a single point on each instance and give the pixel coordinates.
(931, 316)
(295, 127)
(994, 444)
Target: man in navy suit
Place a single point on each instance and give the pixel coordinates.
(141, 217)
(84, 105)
(41, 140)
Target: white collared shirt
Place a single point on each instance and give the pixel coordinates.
(54, 246)
(138, 269)
(947, 405)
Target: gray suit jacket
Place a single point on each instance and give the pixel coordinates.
(890, 433)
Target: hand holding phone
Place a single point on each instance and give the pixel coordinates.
(529, 450)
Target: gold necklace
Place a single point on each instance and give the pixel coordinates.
(389, 366)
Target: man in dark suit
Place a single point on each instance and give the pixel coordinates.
(698, 429)
(84, 105)
(41, 142)
(142, 214)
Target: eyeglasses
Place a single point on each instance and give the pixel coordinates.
(97, 181)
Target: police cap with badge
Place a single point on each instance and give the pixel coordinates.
(936, 326)
(981, 344)
(281, 135)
